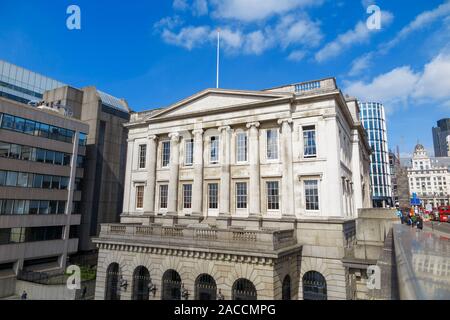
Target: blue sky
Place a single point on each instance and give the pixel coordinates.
(154, 53)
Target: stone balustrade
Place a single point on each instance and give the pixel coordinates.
(231, 238)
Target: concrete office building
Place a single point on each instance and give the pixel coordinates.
(441, 138)
(106, 148)
(23, 85)
(374, 121)
(240, 195)
(41, 170)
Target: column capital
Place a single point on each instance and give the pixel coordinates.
(198, 132)
(130, 140)
(286, 120)
(152, 137)
(253, 124)
(226, 128)
(174, 136)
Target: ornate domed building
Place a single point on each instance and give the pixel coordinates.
(429, 177)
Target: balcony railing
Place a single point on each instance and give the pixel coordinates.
(266, 239)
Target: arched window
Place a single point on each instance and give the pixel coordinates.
(244, 289)
(314, 286)
(141, 280)
(205, 288)
(286, 291)
(112, 291)
(171, 285)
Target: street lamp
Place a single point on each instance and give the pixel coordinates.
(152, 287)
(184, 292)
(123, 283)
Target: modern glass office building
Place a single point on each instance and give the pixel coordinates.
(22, 85)
(374, 121)
(441, 135)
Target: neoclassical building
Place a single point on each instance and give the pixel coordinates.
(233, 194)
(429, 178)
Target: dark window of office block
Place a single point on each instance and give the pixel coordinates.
(74, 232)
(43, 234)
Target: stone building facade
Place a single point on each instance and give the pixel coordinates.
(429, 178)
(239, 195)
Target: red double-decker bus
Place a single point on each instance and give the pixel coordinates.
(444, 213)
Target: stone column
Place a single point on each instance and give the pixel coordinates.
(197, 188)
(172, 205)
(149, 195)
(254, 185)
(225, 162)
(287, 191)
(128, 174)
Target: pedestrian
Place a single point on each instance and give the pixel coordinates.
(83, 295)
(24, 295)
(420, 223)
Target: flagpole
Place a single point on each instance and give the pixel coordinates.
(218, 58)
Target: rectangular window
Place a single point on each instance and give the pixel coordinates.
(14, 152)
(312, 195)
(242, 145)
(7, 122)
(241, 195)
(40, 155)
(139, 197)
(309, 142)
(163, 194)
(34, 207)
(66, 160)
(213, 196)
(27, 153)
(272, 144)
(47, 182)
(29, 127)
(273, 195)
(19, 124)
(11, 179)
(142, 156)
(38, 180)
(44, 207)
(22, 179)
(2, 178)
(189, 154)
(59, 158)
(187, 196)
(56, 182)
(165, 153)
(214, 152)
(4, 149)
(49, 157)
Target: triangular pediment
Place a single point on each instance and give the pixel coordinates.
(213, 99)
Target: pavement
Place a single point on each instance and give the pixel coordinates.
(440, 228)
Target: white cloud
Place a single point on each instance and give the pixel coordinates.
(390, 88)
(297, 55)
(180, 4)
(168, 23)
(435, 81)
(254, 10)
(189, 37)
(402, 84)
(359, 34)
(292, 30)
(421, 21)
(360, 64)
(200, 7)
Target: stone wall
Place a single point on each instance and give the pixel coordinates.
(267, 278)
